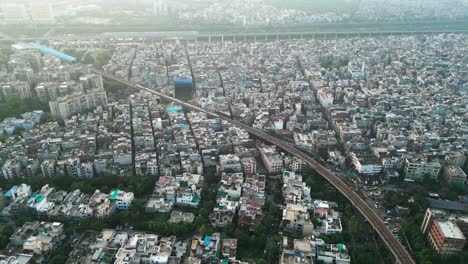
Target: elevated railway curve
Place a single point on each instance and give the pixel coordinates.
(393, 244)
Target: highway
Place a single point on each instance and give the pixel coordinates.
(6, 37)
(251, 36)
(396, 248)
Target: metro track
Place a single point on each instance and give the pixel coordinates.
(393, 244)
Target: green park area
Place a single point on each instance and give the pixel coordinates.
(15, 106)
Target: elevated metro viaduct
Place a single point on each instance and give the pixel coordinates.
(393, 244)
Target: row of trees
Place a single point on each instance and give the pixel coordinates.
(5, 234)
(116, 90)
(14, 106)
(262, 244)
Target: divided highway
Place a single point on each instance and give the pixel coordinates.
(399, 252)
(261, 36)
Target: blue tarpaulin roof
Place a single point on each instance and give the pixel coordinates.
(47, 50)
(12, 189)
(207, 240)
(114, 194)
(173, 109)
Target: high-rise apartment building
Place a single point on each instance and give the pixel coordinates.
(41, 12)
(75, 103)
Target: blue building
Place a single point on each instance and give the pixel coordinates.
(183, 89)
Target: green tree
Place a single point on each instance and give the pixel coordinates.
(3, 138)
(14, 106)
(332, 238)
(26, 215)
(4, 240)
(392, 198)
(205, 230)
(364, 253)
(451, 195)
(430, 183)
(83, 186)
(323, 153)
(117, 90)
(58, 259)
(5, 234)
(102, 58)
(60, 254)
(90, 224)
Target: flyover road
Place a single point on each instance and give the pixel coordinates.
(396, 248)
(6, 37)
(260, 36)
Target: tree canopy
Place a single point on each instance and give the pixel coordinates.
(14, 106)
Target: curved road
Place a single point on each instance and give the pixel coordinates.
(397, 249)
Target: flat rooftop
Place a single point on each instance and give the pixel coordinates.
(450, 229)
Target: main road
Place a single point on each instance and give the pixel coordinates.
(399, 252)
(248, 36)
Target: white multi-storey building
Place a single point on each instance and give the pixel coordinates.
(69, 105)
(272, 160)
(48, 168)
(417, 167)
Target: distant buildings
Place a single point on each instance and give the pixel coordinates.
(14, 13)
(38, 12)
(160, 8)
(41, 12)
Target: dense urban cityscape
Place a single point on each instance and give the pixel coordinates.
(237, 12)
(291, 147)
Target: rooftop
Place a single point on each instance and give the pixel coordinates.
(450, 229)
